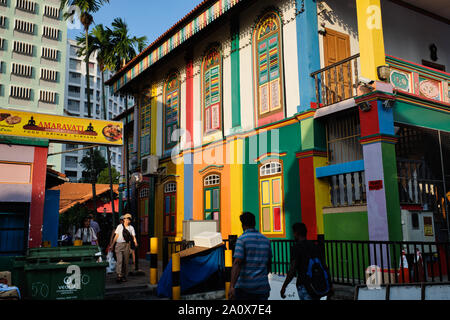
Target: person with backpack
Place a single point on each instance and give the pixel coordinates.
(124, 236)
(307, 263)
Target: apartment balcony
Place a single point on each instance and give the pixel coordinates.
(339, 81)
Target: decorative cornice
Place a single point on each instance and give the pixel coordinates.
(378, 138)
(211, 167)
(311, 153)
(270, 154)
(375, 95)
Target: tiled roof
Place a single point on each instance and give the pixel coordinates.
(74, 193)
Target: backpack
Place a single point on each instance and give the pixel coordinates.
(317, 278)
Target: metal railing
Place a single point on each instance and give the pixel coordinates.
(353, 262)
(336, 82)
(170, 247)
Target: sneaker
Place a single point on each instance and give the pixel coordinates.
(124, 279)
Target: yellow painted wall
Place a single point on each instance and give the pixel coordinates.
(371, 41)
(322, 192)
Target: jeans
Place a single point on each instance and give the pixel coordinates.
(303, 293)
(241, 294)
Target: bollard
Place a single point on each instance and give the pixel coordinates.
(228, 265)
(176, 290)
(178, 247)
(153, 261)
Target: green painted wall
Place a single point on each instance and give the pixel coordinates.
(391, 189)
(289, 143)
(346, 226)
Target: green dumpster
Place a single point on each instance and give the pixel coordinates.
(65, 273)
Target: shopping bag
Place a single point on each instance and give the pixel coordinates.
(111, 262)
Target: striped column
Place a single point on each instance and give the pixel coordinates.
(228, 266)
(314, 193)
(378, 142)
(153, 261)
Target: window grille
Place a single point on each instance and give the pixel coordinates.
(51, 12)
(47, 96)
(21, 70)
(270, 168)
(170, 187)
(212, 180)
(24, 26)
(50, 54)
(49, 75)
(23, 48)
(26, 5)
(50, 33)
(20, 93)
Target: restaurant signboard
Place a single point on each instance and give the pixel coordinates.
(60, 128)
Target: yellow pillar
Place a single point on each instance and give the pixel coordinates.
(153, 261)
(154, 120)
(228, 265)
(176, 289)
(371, 41)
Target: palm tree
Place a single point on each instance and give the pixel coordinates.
(99, 40)
(125, 49)
(86, 7)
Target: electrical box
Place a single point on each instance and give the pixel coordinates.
(418, 226)
(191, 228)
(149, 165)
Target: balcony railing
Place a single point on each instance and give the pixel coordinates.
(347, 189)
(337, 82)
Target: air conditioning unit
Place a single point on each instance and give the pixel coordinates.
(149, 165)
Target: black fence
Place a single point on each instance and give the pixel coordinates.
(360, 262)
(381, 262)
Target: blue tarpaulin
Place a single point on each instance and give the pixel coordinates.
(193, 270)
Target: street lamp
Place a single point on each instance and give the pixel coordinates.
(136, 178)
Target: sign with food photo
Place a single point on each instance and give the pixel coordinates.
(60, 128)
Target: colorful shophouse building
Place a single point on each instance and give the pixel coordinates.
(288, 109)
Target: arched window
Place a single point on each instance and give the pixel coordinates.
(211, 197)
(211, 91)
(170, 208)
(268, 68)
(271, 202)
(171, 109)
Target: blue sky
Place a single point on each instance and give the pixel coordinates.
(149, 18)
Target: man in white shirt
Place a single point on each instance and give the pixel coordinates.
(122, 249)
(86, 234)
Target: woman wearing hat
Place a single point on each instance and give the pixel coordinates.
(124, 235)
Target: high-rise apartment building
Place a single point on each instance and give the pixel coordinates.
(33, 40)
(76, 105)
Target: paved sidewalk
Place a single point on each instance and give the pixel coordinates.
(137, 287)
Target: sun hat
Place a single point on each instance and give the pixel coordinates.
(127, 216)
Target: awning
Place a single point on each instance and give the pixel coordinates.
(106, 208)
